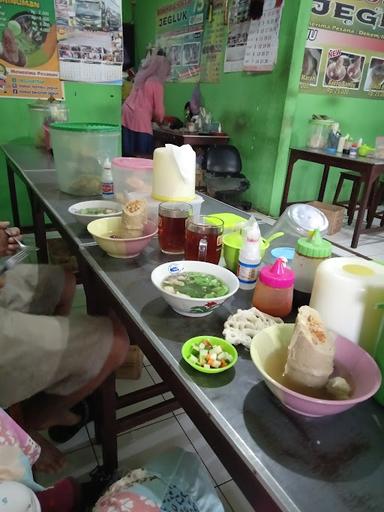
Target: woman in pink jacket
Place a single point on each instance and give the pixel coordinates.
(144, 105)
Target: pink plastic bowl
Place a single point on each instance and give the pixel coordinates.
(357, 362)
(101, 229)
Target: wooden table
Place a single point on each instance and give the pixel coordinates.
(368, 168)
(179, 137)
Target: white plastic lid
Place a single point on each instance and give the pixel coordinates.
(133, 164)
(307, 217)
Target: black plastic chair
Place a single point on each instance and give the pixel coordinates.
(223, 176)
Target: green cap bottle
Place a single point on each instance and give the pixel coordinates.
(314, 246)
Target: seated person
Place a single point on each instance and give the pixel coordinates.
(50, 359)
(18, 490)
(172, 481)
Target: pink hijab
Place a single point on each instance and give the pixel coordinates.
(157, 67)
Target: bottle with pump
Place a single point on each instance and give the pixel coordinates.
(107, 181)
(249, 257)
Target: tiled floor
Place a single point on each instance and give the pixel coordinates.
(177, 429)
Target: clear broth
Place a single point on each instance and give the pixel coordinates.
(275, 364)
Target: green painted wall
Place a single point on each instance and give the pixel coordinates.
(251, 107)
(358, 117)
(92, 103)
(128, 10)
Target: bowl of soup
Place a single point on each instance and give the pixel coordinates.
(87, 211)
(269, 350)
(194, 288)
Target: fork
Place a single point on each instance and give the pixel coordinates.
(11, 262)
(22, 246)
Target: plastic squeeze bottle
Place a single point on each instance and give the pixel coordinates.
(274, 289)
(310, 252)
(107, 181)
(249, 256)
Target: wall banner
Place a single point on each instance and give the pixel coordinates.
(212, 46)
(344, 54)
(239, 23)
(90, 40)
(29, 66)
(179, 29)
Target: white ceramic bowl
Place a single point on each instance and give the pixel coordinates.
(101, 229)
(84, 218)
(189, 306)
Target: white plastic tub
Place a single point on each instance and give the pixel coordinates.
(132, 176)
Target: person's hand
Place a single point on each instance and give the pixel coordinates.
(8, 244)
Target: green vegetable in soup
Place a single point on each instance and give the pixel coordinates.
(197, 285)
(96, 211)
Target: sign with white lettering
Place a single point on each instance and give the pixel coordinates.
(29, 66)
(344, 54)
(179, 29)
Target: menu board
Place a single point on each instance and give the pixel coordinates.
(179, 30)
(29, 66)
(90, 40)
(344, 54)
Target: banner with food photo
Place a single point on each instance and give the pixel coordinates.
(29, 66)
(344, 54)
(179, 30)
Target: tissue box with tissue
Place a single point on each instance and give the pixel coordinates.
(174, 171)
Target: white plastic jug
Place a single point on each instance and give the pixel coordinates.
(345, 293)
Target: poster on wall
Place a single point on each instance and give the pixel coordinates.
(263, 39)
(344, 54)
(179, 29)
(239, 23)
(90, 40)
(213, 39)
(29, 66)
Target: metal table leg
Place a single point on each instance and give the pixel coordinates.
(13, 193)
(39, 228)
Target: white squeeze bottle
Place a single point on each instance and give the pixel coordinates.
(107, 181)
(249, 257)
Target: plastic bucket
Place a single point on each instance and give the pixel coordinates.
(232, 243)
(42, 115)
(80, 151)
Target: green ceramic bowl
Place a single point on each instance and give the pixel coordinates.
(227, 347)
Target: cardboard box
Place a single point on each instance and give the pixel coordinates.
(133, 365)
(334, 214)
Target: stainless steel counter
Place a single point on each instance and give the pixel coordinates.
(305, 464)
